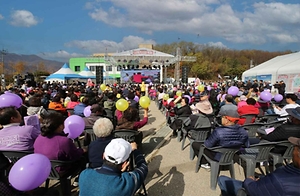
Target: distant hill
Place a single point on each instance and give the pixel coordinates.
(31, 62)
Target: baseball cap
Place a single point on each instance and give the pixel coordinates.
(294, 140)
(117, 151)
(231, 115)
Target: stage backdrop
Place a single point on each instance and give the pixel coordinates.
(137, 76)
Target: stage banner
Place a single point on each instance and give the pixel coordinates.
(139, 76)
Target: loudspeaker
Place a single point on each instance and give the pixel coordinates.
(99, 74)
(185, 74)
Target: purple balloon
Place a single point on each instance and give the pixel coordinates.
(87, 111)
(266, 96)
(223, 97)
(10, 99)
(29, 172)
(188, 97)
(218, 97)
(136, 98)
(278, 97)
(74, 126)
(233, 90)
(208, 88)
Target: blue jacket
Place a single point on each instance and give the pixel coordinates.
(78, 109)
(96, 150)
(229, 136)
(106, 181)
(283, 181)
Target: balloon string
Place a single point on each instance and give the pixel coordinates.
(25, 106)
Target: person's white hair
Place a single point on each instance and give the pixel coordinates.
(103, 127)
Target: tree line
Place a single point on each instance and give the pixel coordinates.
(212, 61)
(12, 69)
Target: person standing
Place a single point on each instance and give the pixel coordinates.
(281, 89)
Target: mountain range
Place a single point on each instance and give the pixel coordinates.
(31, 62)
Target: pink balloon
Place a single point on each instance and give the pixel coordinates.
(208, 88)
(74, 126)
(278, 97)
(87, 111)
(29, 172)
(233, 90)
(10, 99)
(266, 96)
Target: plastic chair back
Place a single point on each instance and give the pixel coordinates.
(91, 134)
(252, 129)
(14, 156)
(249, 118)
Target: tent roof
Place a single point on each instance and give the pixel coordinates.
(86, 73)
(275, 65)
(64, 73)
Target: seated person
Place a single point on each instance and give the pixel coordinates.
(228, 104)
(12, 135)
(129, 121)
(35, 106)
(242, 101)
(283, 181)
(286, 130)
(229, 135)
(96, 113)
(291, 103)
(54, 143)
(110, 104)
(73, 101)
(79, 108)
(131, 100)
(249, 108)
(102, 128)
(113, 177)
(57, 105)
(182, 113)
(199, 120)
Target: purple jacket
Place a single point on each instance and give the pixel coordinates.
(57, 147)
(15, 137)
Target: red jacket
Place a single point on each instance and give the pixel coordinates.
(247, 109)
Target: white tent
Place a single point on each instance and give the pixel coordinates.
(63, 74)
(86, 73)
(284, 67)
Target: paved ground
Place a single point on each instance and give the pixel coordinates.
(170, 170)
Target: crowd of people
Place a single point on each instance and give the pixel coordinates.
(186, 105)
(212, 106)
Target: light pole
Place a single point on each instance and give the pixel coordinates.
(3, 52)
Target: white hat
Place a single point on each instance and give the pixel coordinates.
(243, 98)
(117, 151)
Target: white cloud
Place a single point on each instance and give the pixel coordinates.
(257, 24)
(101, 46)
(1, 17)
(216, 44)
(23, 18)
(60, 55)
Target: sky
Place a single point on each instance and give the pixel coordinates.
(62, 29)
